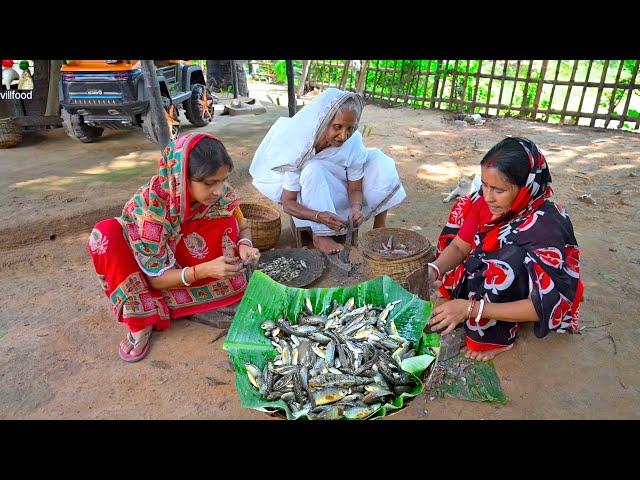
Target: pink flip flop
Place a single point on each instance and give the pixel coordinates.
(135, 358)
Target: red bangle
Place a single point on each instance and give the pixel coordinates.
(194, 274)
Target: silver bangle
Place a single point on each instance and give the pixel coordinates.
(246, 241)
(479, 315)
(184, 281)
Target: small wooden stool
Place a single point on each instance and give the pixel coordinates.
(297, 233)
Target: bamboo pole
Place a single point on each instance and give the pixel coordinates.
(584, 89)
(568, 94)
(436, 80)
(504, 72)
(612, 103)
(599, 94)
(515, 84)
(305, 72)
(630, 94)
(553, 88)
(525, 103)
(536, 101)
(362, 77)
(477, 86)
(493, 69)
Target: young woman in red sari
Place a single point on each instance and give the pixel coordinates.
(179, 246)
(508, 255)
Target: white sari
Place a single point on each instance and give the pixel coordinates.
(286, 159)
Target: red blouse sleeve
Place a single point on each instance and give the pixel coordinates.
(478, 213)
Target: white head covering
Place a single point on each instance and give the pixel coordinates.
(290, 142)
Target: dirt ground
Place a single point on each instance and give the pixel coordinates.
(59, 342)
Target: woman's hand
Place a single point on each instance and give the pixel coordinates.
(448, 315)
(331, 220)
(248, 254)
(356, 216)
(221, 267)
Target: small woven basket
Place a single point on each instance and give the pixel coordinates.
(264, 222)
(398, 268)
(10, 133)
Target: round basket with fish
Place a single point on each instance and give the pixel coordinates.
(293, 267)
(356, 352)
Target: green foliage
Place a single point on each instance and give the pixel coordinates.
(415, 82)
(280, 69)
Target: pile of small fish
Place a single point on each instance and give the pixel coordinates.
(343, 365)
(283, 269)
(391, 250)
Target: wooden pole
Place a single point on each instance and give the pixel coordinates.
(291, 88)
(362, 77)
(158, 117)
(536, 101)
(345, 73)
(234, 78)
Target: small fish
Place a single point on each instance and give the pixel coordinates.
(329, 395)
(254, 374)
(268, 325)
(361, 412)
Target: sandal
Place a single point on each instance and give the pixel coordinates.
(127, 357)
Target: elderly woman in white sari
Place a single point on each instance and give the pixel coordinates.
(317, 167)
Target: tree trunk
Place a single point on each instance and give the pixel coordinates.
(219, 76)
(152, 87)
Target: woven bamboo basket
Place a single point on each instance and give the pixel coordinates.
(264, 222)
(10, 133)
(375, 264)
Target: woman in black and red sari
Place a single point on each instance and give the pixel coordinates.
(508, 255)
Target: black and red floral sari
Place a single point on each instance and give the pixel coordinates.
(529, 252)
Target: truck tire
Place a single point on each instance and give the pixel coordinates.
(75, 127)
(171, 114)
(199, 108)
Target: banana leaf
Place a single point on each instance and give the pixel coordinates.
(266, 299)
(477, 382)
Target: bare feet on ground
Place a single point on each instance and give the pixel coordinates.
(488, 355)
(326, 244)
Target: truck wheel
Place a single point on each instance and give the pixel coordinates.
(173, 119)
(199, 108)
(75, 127)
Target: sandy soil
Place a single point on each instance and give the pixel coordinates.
(59, 343)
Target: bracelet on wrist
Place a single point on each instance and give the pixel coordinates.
(435, 267)
(182, 277)
(245, 241)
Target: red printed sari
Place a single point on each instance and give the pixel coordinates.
(158, 231)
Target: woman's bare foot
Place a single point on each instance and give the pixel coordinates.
(486, 355)
(127, 347)
(326, 244)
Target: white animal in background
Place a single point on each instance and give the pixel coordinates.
(467, 185)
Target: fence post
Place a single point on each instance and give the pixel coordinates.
(536, 101)
(360, 87)
(305, 72)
